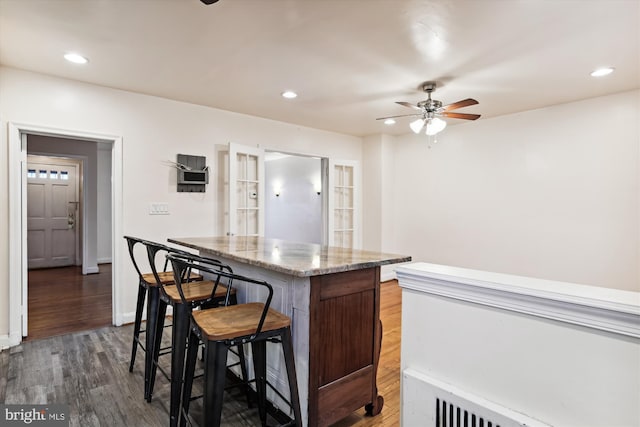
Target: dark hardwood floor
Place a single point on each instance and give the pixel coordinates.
(89, 372)
(62, 300)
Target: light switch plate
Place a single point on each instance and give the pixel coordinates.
(159, 209)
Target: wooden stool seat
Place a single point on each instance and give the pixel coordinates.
(166, 277)
(237, 321)
(196, 291)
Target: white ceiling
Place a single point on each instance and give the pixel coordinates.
(348, 60)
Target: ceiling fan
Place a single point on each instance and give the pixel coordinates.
(430, 110)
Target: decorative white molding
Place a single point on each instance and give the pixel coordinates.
(605, 309)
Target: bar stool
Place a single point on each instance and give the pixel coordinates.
(225, 327)
(147, 282)
(191, 296)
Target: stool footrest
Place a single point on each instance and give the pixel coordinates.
(164, 373)
(279, 394)
(200, 396)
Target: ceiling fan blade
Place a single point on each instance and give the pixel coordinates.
(461, 116)
(403, 115)
(407, 104)
(459, 104)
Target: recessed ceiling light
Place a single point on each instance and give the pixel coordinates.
(75, 58)
(289, 94)
(389, 122)
(602, 72)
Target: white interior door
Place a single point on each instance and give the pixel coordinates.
(52, 212)
(344, 202)
(246, 191)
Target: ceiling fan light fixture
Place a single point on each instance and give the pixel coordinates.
(435, 125)
(416, 125)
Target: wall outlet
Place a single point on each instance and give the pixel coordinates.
(159, 209)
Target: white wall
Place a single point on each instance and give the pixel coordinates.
(372, 196)
(378, 175)
(551, 193)
(296, 214)
(153, 130)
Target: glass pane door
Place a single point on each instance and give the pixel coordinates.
(246, 184)
(343, 205)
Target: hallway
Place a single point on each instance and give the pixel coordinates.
(62, 300)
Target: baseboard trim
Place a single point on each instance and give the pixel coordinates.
(93, 270)
(385, 276)
(7, 341)
(104, 260)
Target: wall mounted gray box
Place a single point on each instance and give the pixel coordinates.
(195, 177)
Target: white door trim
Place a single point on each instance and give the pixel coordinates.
(18, 223)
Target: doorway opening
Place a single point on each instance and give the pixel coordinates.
(295, 205)
(68, 216)
(52, 143)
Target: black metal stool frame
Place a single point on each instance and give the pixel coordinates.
(158, 309)
(152, 302)
(153, 306)
(216, 354)
(180, 324)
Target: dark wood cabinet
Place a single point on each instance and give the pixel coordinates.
(344, 344)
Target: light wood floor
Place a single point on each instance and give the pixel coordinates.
(89, 372)
(62, 300)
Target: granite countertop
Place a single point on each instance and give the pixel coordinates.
(297, 259)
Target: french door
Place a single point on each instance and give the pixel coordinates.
(246, 191)
(344, 203)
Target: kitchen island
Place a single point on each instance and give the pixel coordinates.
(332, 296)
